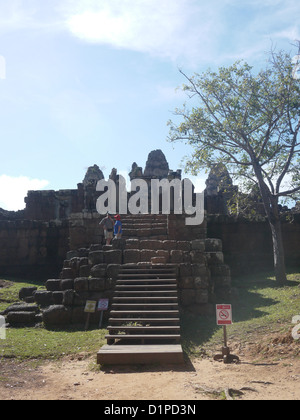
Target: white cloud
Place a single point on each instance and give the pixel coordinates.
(13, 190)
(160, 27)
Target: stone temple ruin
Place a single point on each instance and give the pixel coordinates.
(67, 221)
(158, 269)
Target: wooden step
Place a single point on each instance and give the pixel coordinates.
(150, 306)
(143, 299)
(140, 354)
(143, 337)
(162, 321)
(152, 313)
(145, 293)
(145, 329)
(145, 287)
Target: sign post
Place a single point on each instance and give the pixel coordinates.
(90, 307)
(224, 318)
(102, 306)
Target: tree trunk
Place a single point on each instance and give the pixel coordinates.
(278, 252)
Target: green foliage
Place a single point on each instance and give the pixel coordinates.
(40, 343)
(249, 122)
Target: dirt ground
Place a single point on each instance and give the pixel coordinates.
(264, 373)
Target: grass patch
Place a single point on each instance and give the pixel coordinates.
(260, 308)
(40, 343)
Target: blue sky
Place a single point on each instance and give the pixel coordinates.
(94, 81)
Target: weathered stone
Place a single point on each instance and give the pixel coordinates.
(176, 256)
(151, 244)
(68, 297)
(66, 284)
(201, 282)
(185, 270)
(147, 254)
(131, 256)
(43, 298)
(197, 257)
(20, 307)
(186, 282)
(96, 284)
(96, 257)
(57, 297)
(81, 284)
(53, 285)
(57, 315)
(213, 245)
(198, 244)
(214, 257)
(20, 318)
(201, 296)
(67, 273)
(26, 292)
(113, 257)
(98, 270)
(187, 297)
(132, 244)
(184, 245)
(84, 271)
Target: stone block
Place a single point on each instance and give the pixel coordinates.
(84, 271)
(81, 284)
(198, 244)
(57, 297)
(184, 245)
(131, 256)
(201, 296)
(67, 273)
(186, 282)
(132, 244)
(98, 270)
(53, 285)
(187, 297)
(151, 244)
(197, 257)
(176, 256)
(68, 297)
(43, 298)
(26, 292)
(201, 282)
(113, 257)
(96, 257)
(20, 318)
(158, 260)
(57, 315)
(185, 270)
(96, 284)
(147, 254)
(66, 284)
(214, 257)
(169, 245)
(213, 245)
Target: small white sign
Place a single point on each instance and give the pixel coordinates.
(102, 305)
(224, 314)
(2, 328)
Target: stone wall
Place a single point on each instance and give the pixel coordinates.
(32, 248)
(247, 245)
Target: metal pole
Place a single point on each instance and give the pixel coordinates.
(225, 335)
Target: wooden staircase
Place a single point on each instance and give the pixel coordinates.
(144, 325)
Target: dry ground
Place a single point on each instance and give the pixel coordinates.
(264, 373)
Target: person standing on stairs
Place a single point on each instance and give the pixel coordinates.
(118, 227)
(108, 226)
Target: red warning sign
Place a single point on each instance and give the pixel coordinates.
(224, 314)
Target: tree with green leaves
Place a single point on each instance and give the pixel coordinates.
(250, 122)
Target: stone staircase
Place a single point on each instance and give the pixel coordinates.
(145, 226)
(144, 324)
